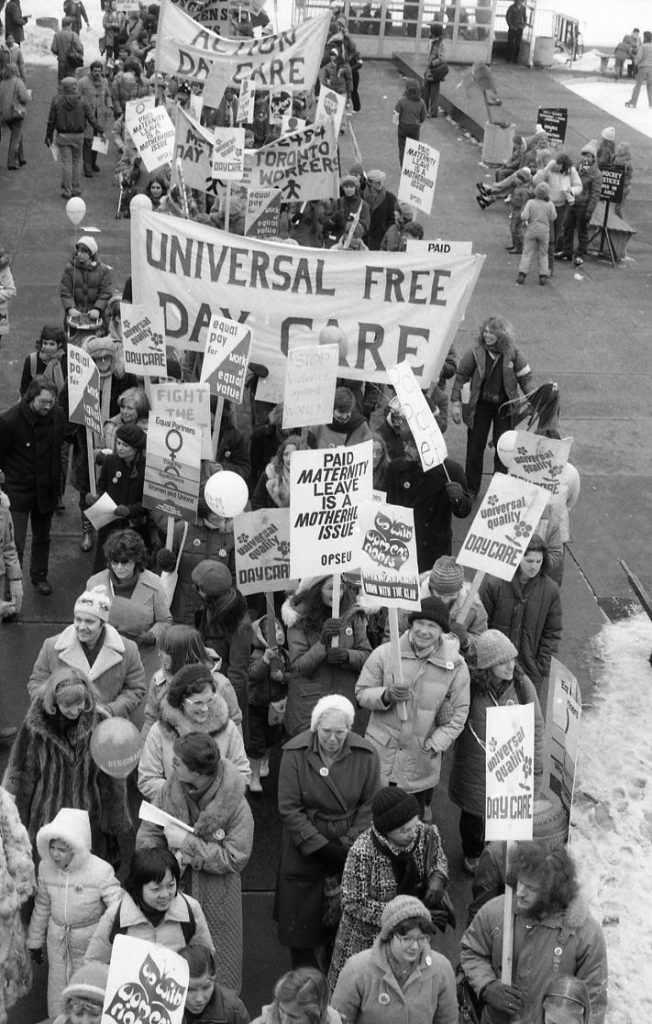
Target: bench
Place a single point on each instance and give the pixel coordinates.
(604, 61)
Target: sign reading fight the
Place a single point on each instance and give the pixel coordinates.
(509, 764)
(186, 403)
(226, 358)
(172, 468)
(327, 487)
(418, 175)
(83, 389)
(388, 556)
(262, 550)
(503, 526)
(423, 425)
(146, 983)
(539, 460)
(310, 385)
(143, 341)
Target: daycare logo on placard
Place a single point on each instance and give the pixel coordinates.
(388, 545)
(540, 460)
(262, 550)
(143, 343)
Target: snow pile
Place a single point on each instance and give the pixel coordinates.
(611, 836)
(36, 48)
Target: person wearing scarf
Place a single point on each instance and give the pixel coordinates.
(122, 477)
(48, 359)
(273, 487)
(348, 426)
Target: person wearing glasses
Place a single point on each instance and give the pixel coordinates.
(400, 977)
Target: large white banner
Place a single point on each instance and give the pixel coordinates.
(290, 58)
(509, 763)
(327, 487)
(303, 165)
(391, 306)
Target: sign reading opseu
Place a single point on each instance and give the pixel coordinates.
(564, 738)
(509, 764)
(146, 982)
(226, 358)
(143, 341)
(388, 556)
(83, 389)
(172, 468)
(310, 385)
(262, 550)
(503, 526)
(327, 487)
(540, 460)
(423, 425)
(152, 131)
(418, 175)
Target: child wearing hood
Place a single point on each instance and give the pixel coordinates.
(74, 889)
(11, 574)
(268, 670)
(621, 53)
(348, 426)
(623, 159)
(607, 147)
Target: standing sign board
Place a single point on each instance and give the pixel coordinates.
(509, 764)
(388, 558)
(613, 179)
(554, 121)
(83, 389)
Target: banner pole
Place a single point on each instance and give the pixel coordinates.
(217, 423)
(337, 582)
(471, 596)
(90, 454)
(169, 533)
(392, 614)
(271, 619)
(508, 925)
(227, 206)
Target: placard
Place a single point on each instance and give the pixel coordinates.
(554, 121)
(330, 104)
(539, 460)
(172, 467)
(290, 123)
(262, 551)
(613, 180)
(327, 487)
(83, 389)
(303, 165)
(509, 768)
(127, 6)
(388, 556)
(216, 14)
(226, 358)
(310, 382)
(186, 403)
(143, 341)
(263, 213)
(420, 419)
(227, 160)
(418, 175)
(563, 733)
(246, 101)
(503, 526)
(439, 246)
(152, 132)
(147, 983)
(280, 105)
(193, 147)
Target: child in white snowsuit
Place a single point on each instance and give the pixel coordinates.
(538, 215)
(11, 574)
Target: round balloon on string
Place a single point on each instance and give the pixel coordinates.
(76, 210)
(115, 747)
(140, 202)
(226, 493)
(332, 335)
(506, 448)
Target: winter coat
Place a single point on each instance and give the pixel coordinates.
(97, 97)
(50, 768)
(516, 374)
(116, 674)
(30, 455)
(127, 86)
(265, 441)
(338, 77)
(69, 903)
(223, 1007)
(16, 886)
(369, 883)
(9, 565)
(201, 543)
(530, 615)
(124, 482)
(591, 179)
(12, 90)
(69, 115)
(146, 611)
(158, 688)
(316, 809)
(349, 207)
(425, 492)
(311, 676)
(216, 854)
(560, 184)
(466, 784)
(269, 1016)
(331, 435)
(262, 688)
(157, 756)
(55, 369)
(133, 923)
(85, 288)
(15, 21)
(232, 451)
(561, 942)
(381, 216)
(410, 752)
(368, 992)
(7, 291)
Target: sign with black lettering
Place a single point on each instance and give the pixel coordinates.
(262, 550)
(172, 467)
(563, 739)
(226, 358)
(388, 559)
(310, 385)
(509, 765)
(143, 341)
(613, 179)
(146, 982)
(554, 121)
(83, 389)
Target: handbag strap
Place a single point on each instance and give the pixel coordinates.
(181, 546)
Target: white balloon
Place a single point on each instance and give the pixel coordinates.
(506, 448)
(226, 493)
(76, 210)
(140, 202)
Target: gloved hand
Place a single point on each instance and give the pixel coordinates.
(454, 491)
(337, 656)
(90, 499)
(505, 998)
(165, 559)
(73, 311)
(121, 511)
(434, 892)
(440, 919)
(147, 639)
(455, 409)
(330, 629)
(333, 854)
(16, 591)
(396, 693)
(37, 956)
(94, 314)
(175, 836)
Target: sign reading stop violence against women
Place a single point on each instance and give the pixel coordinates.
(143, 343)
(327, 487)
(503, 526)
(172, 467)
(147, 983)
(310, 385)
(509, 772)
(226, 358)
(563, 742)
(540, 460)
(388, 556)
(418, 175)
(262, 550)
(83, 390)
(423, 425)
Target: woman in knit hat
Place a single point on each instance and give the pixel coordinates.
(83, 996)
(497, 681)
(400, 978)
(122, 477)
(397, 855)
(446, 582)
(347, 427)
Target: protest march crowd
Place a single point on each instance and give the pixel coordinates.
(273, 600)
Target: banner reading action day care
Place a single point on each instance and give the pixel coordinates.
(509, 767)
(388, 556)
(391, 306)
(146, 982)
(262, 550)
(327, 487)
(83, 389)
(303, 165)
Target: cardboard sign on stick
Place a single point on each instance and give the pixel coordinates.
(509, 764)
(152, 132)
(388, 557)
(539, 460)
(227, 161)
(310, 385)
(172, 468)
(83, 389)
(423, 425)
(262, 550)
(263, 212)
(186, 403)
(143, 340)
(330, 104)
(146, 982)
(226, 358)
(418, 175)
(563, 733)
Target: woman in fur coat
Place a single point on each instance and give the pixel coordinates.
(16, 886)
(74, 889)
(207, 792)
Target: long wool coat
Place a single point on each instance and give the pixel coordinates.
(315, 809)
(16, 886)
(215, 856)
(30, 455)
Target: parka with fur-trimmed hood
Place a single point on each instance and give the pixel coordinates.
(158, 754)
(70, 902)
(16, 886)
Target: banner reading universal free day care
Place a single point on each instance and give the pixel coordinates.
(392, 306)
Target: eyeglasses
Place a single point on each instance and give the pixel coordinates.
(198, 704)
(409, 940)
(338, 734)
(122, 561)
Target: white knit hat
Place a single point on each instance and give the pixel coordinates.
(95, 602)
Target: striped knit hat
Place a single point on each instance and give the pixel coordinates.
(446, 576)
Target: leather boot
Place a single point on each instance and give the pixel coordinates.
(86, 542)
(255, 785)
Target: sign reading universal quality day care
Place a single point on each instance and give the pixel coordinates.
(146, 983)
(262, 550)
(388, 556)
(172, 467)
(303, 164)
(509, 764)
(391, 306)
(418, 175)
(539, 460)
(327, 487)
(503, 526)
(226, 358)
(143, 342)
(83, 389)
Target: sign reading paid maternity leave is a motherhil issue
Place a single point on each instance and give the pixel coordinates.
(509, 763)
(326, 488)
(503, 526)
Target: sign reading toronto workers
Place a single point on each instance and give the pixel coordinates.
(509, 766)
(327, 487)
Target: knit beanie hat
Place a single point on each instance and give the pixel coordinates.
(95, 602)
(344, 399)
(434, 610)
(400, 909)
(524, 174)
(89, 243)
(357, 170)
(187, 676)
(68, 85)
(609, 133)
(391, 808)
(406, 211)
(133, 435)
(591, 147)
(212, 578)
(493, 648)
(349, 179)
(376, 175)
(542, 191)
(88, 982)
(549, 820)
(446, 576)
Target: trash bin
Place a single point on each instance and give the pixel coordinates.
(497, 143)
(544, 51)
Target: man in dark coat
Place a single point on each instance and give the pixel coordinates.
(15, 21)
(382, 204)
(31, 435)
(516, 18)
